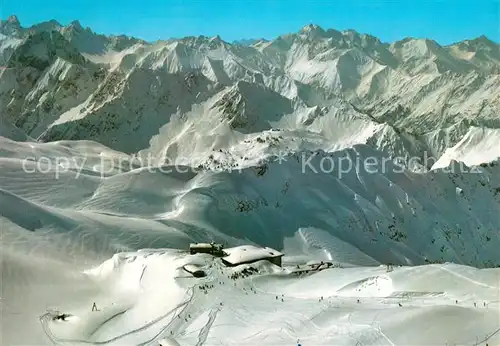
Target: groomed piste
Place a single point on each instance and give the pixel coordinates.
(146, 298)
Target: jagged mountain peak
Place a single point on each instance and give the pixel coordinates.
(84, 39)
(480, 40)
(249, 41)
(351, 34)
(12, 19)
(76, 25)
(202, 42)
(412, 41)
(11, 26)
(479, 43)
(45, 46)
(361, 39)
(312, 29)
(313, 32)
(412, 83)
(51, 25)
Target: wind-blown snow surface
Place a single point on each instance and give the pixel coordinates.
(146, 297)
(202, 140)
(60, 220)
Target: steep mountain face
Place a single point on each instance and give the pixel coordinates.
(11, 27)
(332, 89)
(10, 131)
(44, 76)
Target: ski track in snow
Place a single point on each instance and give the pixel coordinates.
(44, 319)
(192, 309)
(467, 278)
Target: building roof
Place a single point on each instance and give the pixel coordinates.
(194, 270)
(249, 253)
(201, 246)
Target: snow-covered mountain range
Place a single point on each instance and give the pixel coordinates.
(333, 89)
(110, 144)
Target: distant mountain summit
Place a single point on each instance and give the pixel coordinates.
(84, 38)
(11, 26)
(249, 41)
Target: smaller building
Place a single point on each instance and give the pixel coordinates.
(313, 268)
(194, 270)
(208, 248)
(249, 254)
(322, 265)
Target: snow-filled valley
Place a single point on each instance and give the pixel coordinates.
(116, 154)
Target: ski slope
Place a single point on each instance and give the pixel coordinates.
(146, 297)
(82, 228)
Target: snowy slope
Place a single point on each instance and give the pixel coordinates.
(350, 306)
(382, 212)
(249, 306)
(478, 146)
